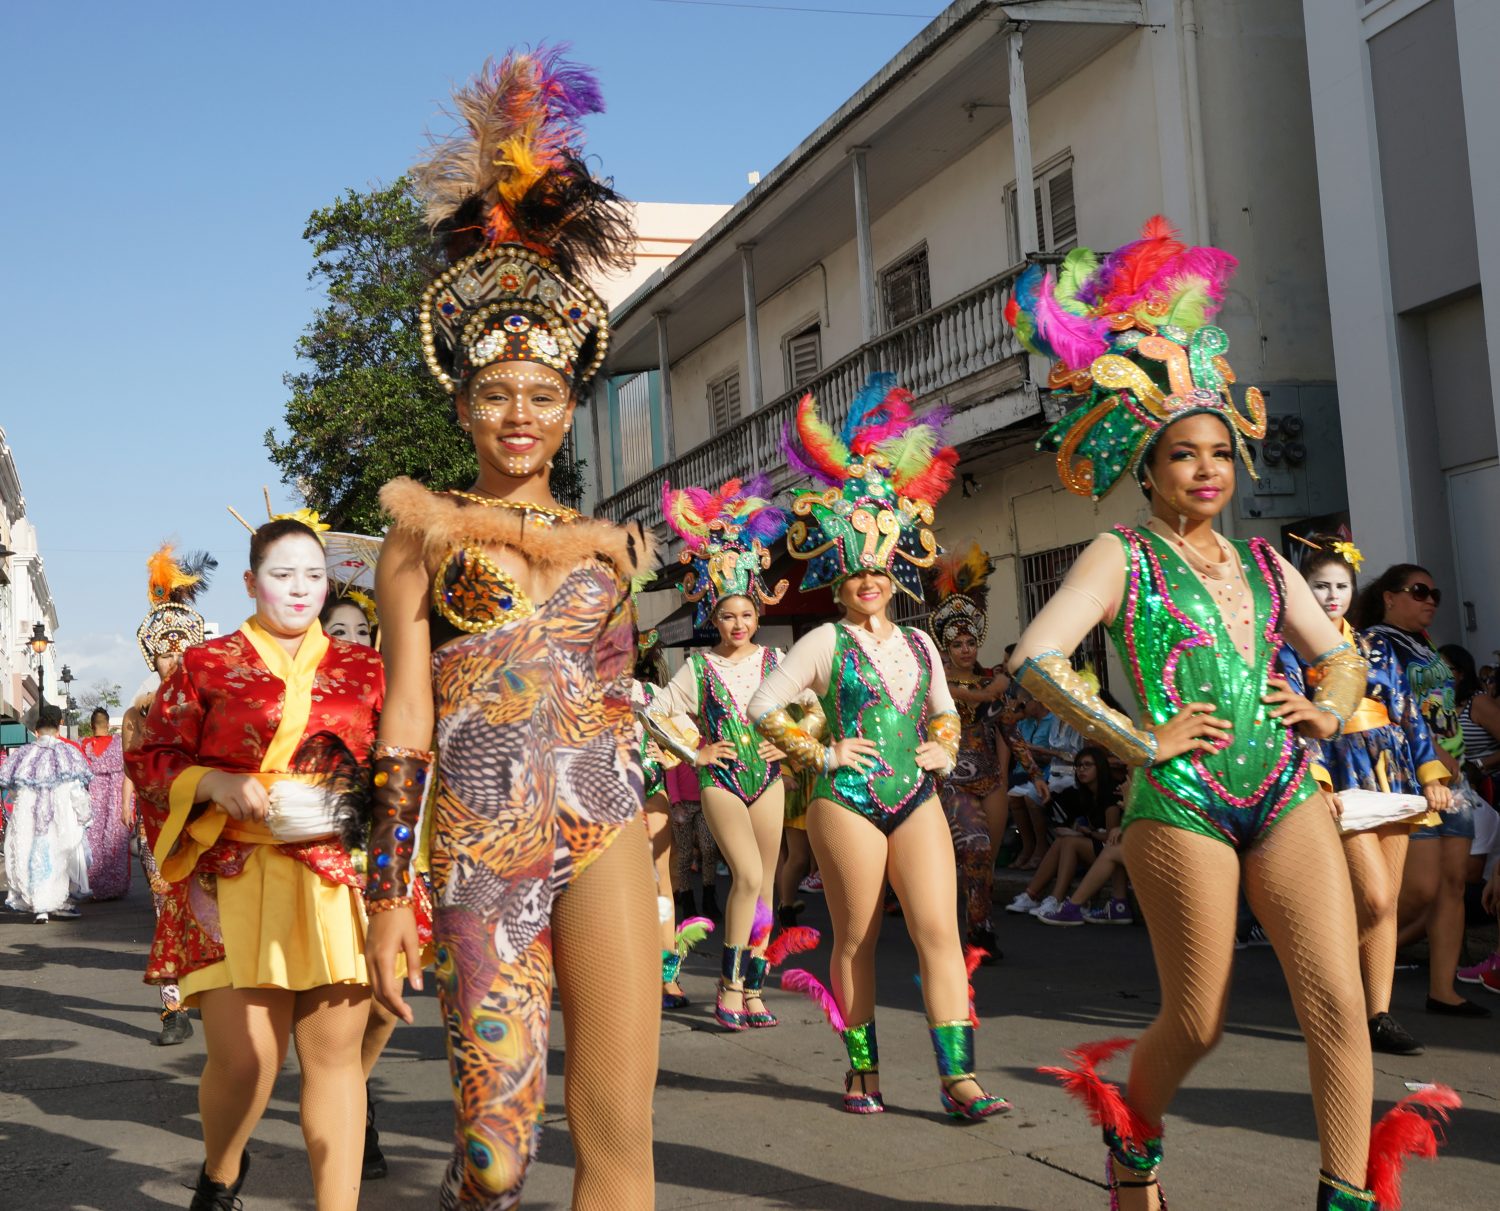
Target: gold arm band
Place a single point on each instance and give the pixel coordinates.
(946, 730)
(668, 742)
(1340, 676)
(814, 721)
(1052, 680)
(791, 738)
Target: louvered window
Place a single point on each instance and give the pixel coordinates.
(804, 356)
(1056, 213)
(633, 398)
(724, 400)
(1041, 574)
(905, 288)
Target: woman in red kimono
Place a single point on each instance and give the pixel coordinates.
(263, 924)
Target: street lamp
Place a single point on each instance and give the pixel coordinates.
(39, 643)
(66, 677)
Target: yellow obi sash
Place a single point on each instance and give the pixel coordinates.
(1368, 715)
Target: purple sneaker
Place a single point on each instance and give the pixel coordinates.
(1476, 974)
(1116, 912)
(1066, 913)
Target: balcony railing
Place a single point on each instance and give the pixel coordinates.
(927, 355)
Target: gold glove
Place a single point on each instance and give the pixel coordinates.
(793, 739)
(1056, 683)
(945, 729)
(1340, 677)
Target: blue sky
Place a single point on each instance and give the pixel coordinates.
(161, 160)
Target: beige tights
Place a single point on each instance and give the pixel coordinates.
(606, 952)
(750, 841)
(659, 826)
(246, 1032)
(1376, 859)
(1297, 883)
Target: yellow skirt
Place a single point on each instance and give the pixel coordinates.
(284, 927)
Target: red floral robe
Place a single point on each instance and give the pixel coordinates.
(221, 710)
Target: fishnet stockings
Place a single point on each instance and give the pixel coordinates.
(659, 827)
(854, 857)
(246, 1032)
(608, 961)
(691, 836)
(1298, 886)
(1375, 862)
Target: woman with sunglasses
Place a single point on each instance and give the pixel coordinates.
(1394, 612)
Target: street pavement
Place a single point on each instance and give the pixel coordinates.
(94, 1117)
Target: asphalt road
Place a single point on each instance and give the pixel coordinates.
(92, 1116)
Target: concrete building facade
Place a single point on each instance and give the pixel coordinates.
(891, 238)
(25, 599)
(1404, 100)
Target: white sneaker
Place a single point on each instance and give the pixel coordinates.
(1050, 904)
(1022, 904)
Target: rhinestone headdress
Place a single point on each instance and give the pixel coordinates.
(172, 587)
(1132, 352)
(728, 535)
(885, 469)
(521, 218)
(960, 585)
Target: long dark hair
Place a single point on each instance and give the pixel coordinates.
(1103, 792)
(1325, 554)
(1369, 606)
(1465, 674)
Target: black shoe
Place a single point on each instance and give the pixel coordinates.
(686, 906)
(1464, 1009)
(374, 1166)
(176, 1027)
(787, 914)
(1389, 1036)
(711, 905)
(210, 1196)
(983, 937)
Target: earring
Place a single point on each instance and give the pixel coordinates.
(1182, 525)
(549, 464)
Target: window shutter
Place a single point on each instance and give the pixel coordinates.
(905, 288)
(804, 356)
(724, 401)
(1064, 235)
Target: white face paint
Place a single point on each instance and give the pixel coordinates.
(347, 621)
(290, 586)
(1333, 587)
(519, 413)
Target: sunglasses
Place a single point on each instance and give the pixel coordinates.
(1423, 592)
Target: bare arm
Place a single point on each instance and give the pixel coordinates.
(401, 587)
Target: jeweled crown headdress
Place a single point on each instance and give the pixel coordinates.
(521, 218)
(1133, 351)
(728, 535)
(172, 586)
(885, 469)
(960, 584)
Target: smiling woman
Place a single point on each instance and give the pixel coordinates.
(507, 634)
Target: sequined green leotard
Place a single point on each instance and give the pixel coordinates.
(859, 703)
(748, 775)
(1173, 641)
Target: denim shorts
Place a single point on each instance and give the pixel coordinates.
(1456, 823)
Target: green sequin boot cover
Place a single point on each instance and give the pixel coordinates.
(864, 1057)
(1336, 1195)
(671, 964)
(953, 1044)
(755, 979)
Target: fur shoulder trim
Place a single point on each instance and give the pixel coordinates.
(443, 522)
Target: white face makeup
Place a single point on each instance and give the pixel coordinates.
(1333, 587)
(166, 663)
(290, 586)
(347, 621)
(519, 413)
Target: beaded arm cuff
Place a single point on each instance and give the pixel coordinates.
(946, 730)
(399, 781)
(1341, 675)
(1051, 679)
(791, 738)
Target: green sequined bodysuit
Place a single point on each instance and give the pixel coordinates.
(859, 703)
(1172, 639)
(748, 775)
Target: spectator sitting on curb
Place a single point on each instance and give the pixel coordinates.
(1082, 818)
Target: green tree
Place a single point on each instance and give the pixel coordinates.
(363, 407)
(102, 693)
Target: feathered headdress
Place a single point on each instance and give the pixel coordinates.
(521, 220)
(727, 534)
(173, 586)
(1133, 351)
(885, 469)
(960, 585)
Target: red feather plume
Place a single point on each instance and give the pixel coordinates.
(796, 940)
(1401, 1132)
(1102, 1098)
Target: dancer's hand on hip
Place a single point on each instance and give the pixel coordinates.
(769, 752)
(389, 935)
(1295, 710)
(718, 754)
(932, 756)
(1193, 729)
(855, 751)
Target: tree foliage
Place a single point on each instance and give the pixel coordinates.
(363, 407)
(102, 693)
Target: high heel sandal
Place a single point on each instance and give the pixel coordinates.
(864, 1061)
(1138, 1180)
(732, 980)
(671, 964)
(953, 1044)
(755, 979)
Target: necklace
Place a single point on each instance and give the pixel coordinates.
(1226, 567)
(545, 514)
